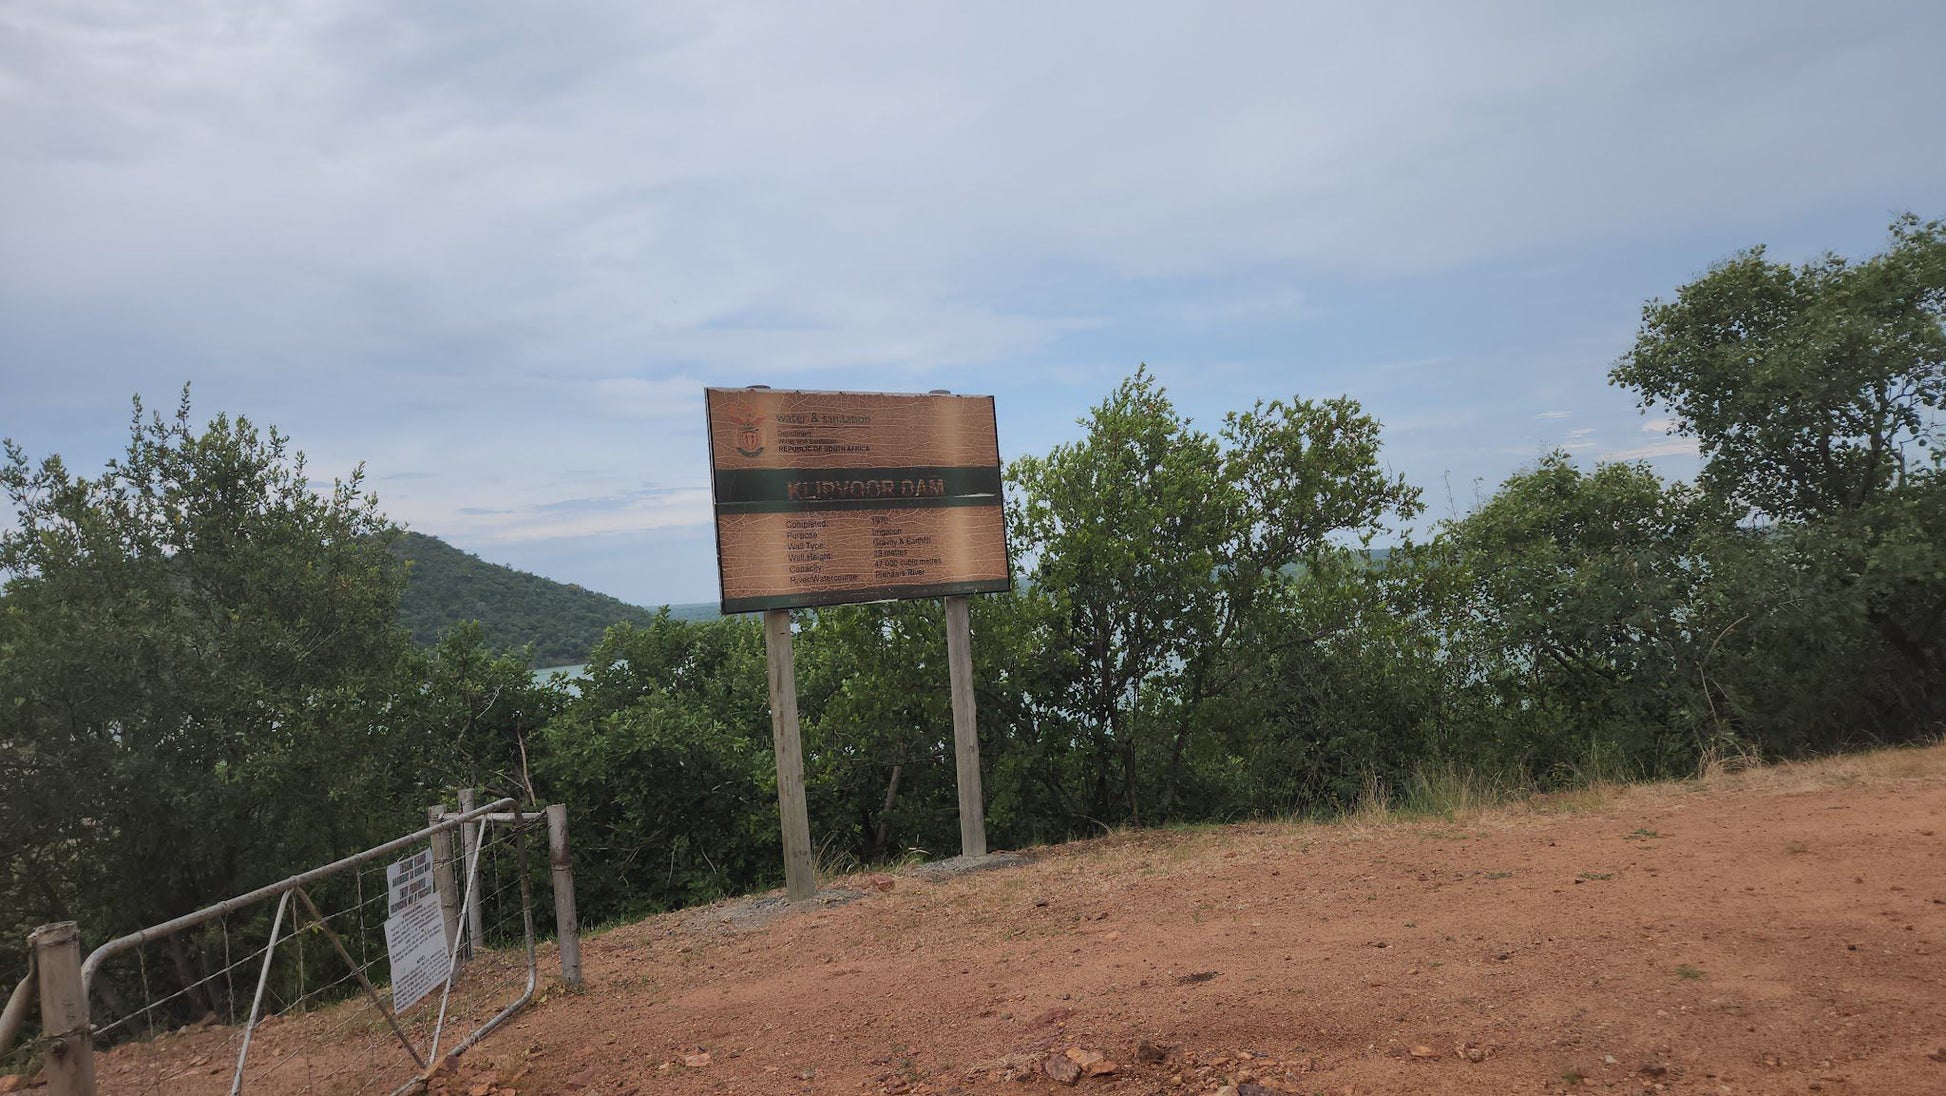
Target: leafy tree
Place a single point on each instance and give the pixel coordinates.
(1152, 542)
(1815, 394)
(874, 695)
(1581, 584)
(1816, 636)
(1334, 691)
(877, 727)
(482, 708)
(1297, 475)
(664, 757)
(1092, 515)
(197, 658)
(1813, 389)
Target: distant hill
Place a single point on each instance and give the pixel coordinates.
(446, 586)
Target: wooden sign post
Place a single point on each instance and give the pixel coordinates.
(800, 881)
(966, 734)
(830, 498)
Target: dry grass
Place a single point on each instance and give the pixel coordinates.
(1888, 766)
(1450, 797)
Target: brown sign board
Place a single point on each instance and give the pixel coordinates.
(827, 498)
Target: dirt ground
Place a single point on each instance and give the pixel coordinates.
(1778, 930)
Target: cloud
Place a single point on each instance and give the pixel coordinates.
(1579, 439)
(556, 519)
(642, 398)
(1674, 447)
(1273, 303)
(890, 177)
(480, 244)
(675, 510)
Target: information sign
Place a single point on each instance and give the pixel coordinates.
(415, 930)
(825, 498)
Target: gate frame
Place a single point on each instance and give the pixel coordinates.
(65, 981)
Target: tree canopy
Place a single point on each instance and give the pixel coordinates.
(1811, 390)
(193, 645)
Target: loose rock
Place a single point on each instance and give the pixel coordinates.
(1088, 1060)
(1062, 1069)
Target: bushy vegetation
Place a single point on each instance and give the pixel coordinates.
(201, 684)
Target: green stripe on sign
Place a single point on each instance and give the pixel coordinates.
(778, 490)
(855, 504)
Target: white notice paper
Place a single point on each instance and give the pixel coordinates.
(415, 930)
(408, 880)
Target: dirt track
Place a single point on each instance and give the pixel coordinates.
(1775, 931)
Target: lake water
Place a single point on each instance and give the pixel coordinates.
(573, 673)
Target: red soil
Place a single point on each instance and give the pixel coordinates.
(1782, 930)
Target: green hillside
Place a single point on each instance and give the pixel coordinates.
(562, 621)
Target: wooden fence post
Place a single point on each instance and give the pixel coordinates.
(966, 732)
(470, 882)
(567, 926)
(442, 875)
(70, 1059)
(800, 880)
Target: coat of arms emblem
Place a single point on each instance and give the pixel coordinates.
(749, 424)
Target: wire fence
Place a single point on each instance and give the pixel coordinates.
(293, 989)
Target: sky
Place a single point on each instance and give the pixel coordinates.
(495, 251)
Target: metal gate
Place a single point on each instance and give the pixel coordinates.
(292, 997)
